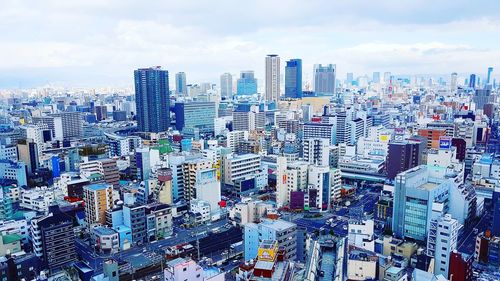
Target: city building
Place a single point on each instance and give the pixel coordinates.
(98, 198)
(416, 194)
(152, 99)
(247, 83)
(293, 79)
(324, 79)
(442, 241)
(403, 156)
(273, 78)
(275, 230)
(180, 84)
(237, 167)
(53, 239)
(226, 85)
(195, 116)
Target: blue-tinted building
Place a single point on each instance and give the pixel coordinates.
(180, 84)
(195, 115)
(152, 99)
(415, 193)
(247, 84)
(324, 79)
(495, 231)
(472, 81)
(293, 79)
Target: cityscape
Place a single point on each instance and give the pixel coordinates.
(199, 142)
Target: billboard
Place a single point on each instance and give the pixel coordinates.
(444, 142)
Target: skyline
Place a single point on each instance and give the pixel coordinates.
(101, 43)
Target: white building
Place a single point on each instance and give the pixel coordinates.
(208, 189)
(317, 151)
(234, 138)
(360, 234)
(38, 199)
(272, 78)
(442, 241)
(201, 209)
(237, 167)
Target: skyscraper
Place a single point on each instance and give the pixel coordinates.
(453, 82)
(376, 77)
(152, 99)
(247, 84)
(472, 81)
(349, 78)
(324, 79)
(180, 84)
(272, 78)
(226, 85)
(293, 79)
(488, 80)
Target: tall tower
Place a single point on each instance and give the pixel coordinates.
(490, 70)
(152, 99)
(324, 79)
(453, 82)
(293, 79)
(272, 78)
(226, 85)
(180, 84)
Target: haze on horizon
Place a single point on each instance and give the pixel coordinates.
(99, 43)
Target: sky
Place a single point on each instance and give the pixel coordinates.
(100, 42)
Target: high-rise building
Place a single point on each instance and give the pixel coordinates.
(376, 77)
(247, 84)
(418, 196)
(272, 78)
(101, 112)
(27, 151)
(152, 99)
(472, 81)
(293, 79)
(324, 79)
(195, 115)
(316, 151)
(70, 124)
(453, 82)
(180, 84)
(496, 212)
(319, 179)
(98, 198)
(442, 241)
(402, 156)
(53, 239)
(349, 79)
(482, 97)
(460, 267)
(488, 79)
(226, 85)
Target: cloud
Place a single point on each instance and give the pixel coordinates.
(88, 42)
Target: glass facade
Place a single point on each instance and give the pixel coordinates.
(152, 99)
(293, 79)
(415, 219)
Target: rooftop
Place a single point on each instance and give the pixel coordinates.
(97, 186)
(11, 238)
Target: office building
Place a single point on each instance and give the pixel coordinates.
(226, 85)
(360, 234)
(27, 151)
(315, 130)
(320, 181)
(106, 167)
(152, 99)
(488, 77)
(442, 241)
(472, 81)
(324, 79)
(180, 84)
(376, 77)
(101, 112)
(293, 79)
(482, 97)
(53, 239)
(134, 218)
(190, 169)
(246, 84)
(195, 116)
(273, 78)
(275, 230)
(403, 156)
(237, 167)
(70, 124)
(453, 82)
(316, 151)
(417, 195)
(207, 188)
(98, 198)
(496, 212)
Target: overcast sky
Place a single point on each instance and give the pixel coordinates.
(100, 43)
